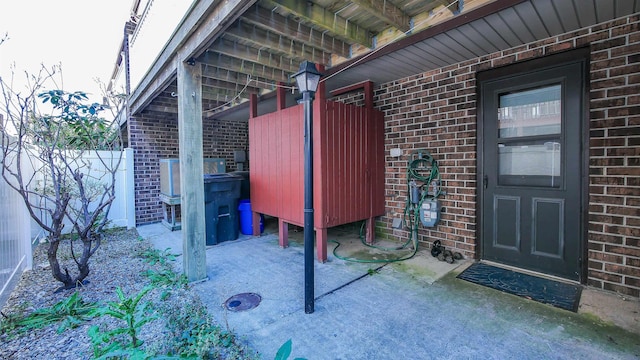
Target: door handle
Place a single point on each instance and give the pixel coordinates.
(485, 181)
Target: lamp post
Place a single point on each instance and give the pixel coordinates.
(307, 79)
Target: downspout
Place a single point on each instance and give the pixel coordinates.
(129, 27)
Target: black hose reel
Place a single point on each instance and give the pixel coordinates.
(424, 187)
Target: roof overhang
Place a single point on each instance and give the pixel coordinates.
(494, 26)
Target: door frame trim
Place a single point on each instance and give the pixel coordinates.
(580, 55)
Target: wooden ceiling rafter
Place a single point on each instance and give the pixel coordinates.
(277, 43)
(217, 73)
(258, 55)
(243, 66)
(274, 22)
(221, 95)
(387, 12)
(209, 93)
(227, 85)
(322, 18)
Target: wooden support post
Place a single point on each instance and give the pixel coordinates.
(255, 223)
(191, 171)
(367, 88)
(283, 233)
(253, 112)
(253, 105)
(321, 244)
(321, 93)
(368, 95)
(370, 231)
(281, 97)
(321, 233)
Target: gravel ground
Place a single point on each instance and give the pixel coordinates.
(117, 263)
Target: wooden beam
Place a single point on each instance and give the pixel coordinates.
(191, 171)
(327, 20)
(214, 72)
(262, 56)
(208, 93)
(227, 85)
(282, 25)
(272, 41)
(243, 66)
(432, 5)
(387, 12)
(220, 95)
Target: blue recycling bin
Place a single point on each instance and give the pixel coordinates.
(246, 218)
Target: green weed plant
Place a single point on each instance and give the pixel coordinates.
(70, 313)
(124, 339)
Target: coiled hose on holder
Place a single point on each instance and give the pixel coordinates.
(421, 162)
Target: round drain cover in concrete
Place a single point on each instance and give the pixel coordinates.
(242, 302)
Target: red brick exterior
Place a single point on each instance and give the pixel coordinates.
(436, 110)
(154, 136)
(614, 163)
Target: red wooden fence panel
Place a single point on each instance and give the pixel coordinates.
(348, 150)
(348, 164)
(276, 163)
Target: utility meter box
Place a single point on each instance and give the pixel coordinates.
(430, 212)
(170, 173)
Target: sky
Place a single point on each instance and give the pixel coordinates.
(82, 35)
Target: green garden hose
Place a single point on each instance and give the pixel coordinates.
(418, 165)
(361, 236)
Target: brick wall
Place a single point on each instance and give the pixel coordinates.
(614, 164)
(154, 136)
(436, 110)
(221, 138)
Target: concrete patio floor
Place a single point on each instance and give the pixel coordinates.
(415, 309)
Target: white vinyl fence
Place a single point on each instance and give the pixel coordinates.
(15, 239)
(18, 232)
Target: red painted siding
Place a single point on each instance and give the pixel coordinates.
(277, 152)
(348, 166)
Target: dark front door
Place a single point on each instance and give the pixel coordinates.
(531, 169)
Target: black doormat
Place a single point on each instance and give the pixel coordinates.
(558, 294)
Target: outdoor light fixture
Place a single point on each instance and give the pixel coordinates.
(308, 79)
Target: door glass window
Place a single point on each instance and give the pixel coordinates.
(530, 112)
(529, 131)
(530, 163)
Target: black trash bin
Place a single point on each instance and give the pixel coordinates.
(245, 191)
(221, 193)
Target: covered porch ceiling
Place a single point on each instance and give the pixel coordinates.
(250, 46)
